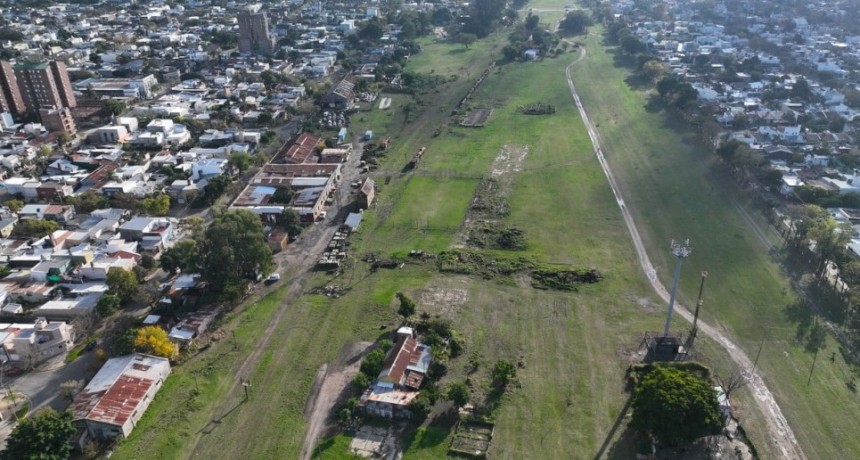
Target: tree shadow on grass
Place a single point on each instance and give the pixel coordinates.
(457, 51)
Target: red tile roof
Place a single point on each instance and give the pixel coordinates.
(400, 356)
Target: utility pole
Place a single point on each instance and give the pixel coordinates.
(698, 305)
(246, 385)
(755, 363)
(681, 251)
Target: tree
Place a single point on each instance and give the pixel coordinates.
(653, 69)
(88, 201)
(632, 45)
(153, 340)
(441, 16)
(122, 283)
(291, 222)
(215, 188)
(532, 21)
(234, 250)
(34, 228)
(372, 30)
(421, 406)
(42, 436)
(667, 86)
(503, 373)
(158, 205)
(114, 107)
(108, 304)
(731, 381)
(675, 406)
(458, 393)
(466, 39)
(265, 118)
(373, 363)
(575, 22)
(407, 306)
(147, 261)
(241, 161)
(193, 227)
(14, 205)
(184, 255)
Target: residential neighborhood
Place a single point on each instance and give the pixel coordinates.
(125, 129)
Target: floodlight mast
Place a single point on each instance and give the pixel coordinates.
(681, 250)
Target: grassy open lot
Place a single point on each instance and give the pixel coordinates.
(572, 348)
(676, 190)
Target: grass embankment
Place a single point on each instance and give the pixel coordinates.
(675, 190)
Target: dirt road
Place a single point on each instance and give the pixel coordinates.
(330, 386)
(780, 432)
(300, 258)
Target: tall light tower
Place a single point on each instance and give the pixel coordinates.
(681, 251)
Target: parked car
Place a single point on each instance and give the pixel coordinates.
(274, 277)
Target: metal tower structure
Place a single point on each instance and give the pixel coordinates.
(681, 250)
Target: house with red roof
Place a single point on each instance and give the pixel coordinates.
(116, 398)
(403, 372)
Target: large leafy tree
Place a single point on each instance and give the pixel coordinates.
(122, 283)
(675, 406)
(234, 250)
(575, 22)
(158, 205)
(43, 436)
(184, 255)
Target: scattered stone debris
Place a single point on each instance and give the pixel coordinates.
(330, 290)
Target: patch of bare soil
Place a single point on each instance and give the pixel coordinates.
(444, 300)
(510, 160)
(331, 385)
(490, 204)
(477, 118)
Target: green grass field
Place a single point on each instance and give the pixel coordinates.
(676, 190)
(573, 347)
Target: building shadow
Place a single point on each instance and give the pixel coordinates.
(616, 450)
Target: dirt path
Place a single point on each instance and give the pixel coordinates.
(328, 389)
(780, 432)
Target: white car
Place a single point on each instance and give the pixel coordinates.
(274, 277)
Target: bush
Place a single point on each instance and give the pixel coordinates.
(373, 363)
(503, 373)
(361, 381)
(420, 406)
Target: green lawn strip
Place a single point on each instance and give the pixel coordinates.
(318, 328)
(676, 191)
(179, 414)
(427, 443)
(427, 214)
(335, 448)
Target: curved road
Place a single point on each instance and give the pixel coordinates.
(778, 428)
